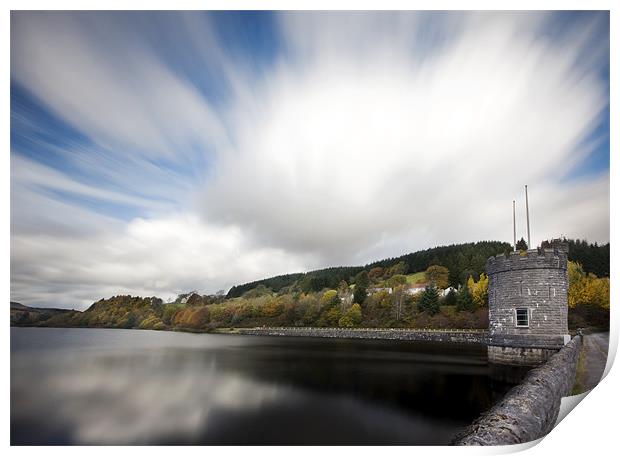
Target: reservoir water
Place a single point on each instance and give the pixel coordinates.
(113, 386)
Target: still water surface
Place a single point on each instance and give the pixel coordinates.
(112, 386)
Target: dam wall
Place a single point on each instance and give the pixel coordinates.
(454, 336)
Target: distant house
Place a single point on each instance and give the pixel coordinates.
(448, 290)
(414, 290)
(371, 291)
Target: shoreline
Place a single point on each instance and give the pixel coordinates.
(475, 336)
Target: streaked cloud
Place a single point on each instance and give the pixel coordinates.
(354, 136)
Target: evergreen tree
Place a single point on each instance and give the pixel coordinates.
(429, 301)
(464, 300)
(521, 244)
(361, 284)
(450, 299)
(593, 257)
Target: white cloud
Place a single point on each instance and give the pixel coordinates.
(92, 72)
(372, 144)
(27, 172)
(372, 135)
(160, 257)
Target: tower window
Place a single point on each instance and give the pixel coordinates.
(523, 319)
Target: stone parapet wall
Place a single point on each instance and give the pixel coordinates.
(530, 410)
(531, 259)
(455, 336)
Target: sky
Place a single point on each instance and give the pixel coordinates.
(154, 153)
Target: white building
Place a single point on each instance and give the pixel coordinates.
(414, 290)
(448, 290)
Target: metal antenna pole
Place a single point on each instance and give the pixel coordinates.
(527, 215)
(514, 226)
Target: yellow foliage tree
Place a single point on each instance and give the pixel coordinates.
(471, 284)
(479, 290)
(352, 317)
(586, 289)
(273, 307)
(329, 298)
(192, 317)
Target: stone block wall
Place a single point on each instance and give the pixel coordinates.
(463, 337)
(537, 281)
(518, 356)
(530, 410)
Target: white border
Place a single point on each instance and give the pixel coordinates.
(590, 428)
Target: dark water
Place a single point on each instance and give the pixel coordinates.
(107, 386)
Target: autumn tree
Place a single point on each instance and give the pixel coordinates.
(396, 280)
(378, 308)
(195, 299)
(479, 290)
(192, 317)
(352, 317)
(376, 274)
(152, 322)
(397, 283)
(330, 298)
(273, 307)
(330, 317)
(588, 298)
(585, 289)
(439, 275)
(310, 306)
(243, 312)
(168, 313)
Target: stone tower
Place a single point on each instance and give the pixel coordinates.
(528, 304)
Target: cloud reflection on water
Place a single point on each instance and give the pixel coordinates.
(97, 386)
(134, 399)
